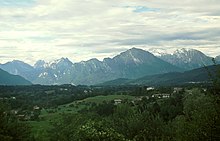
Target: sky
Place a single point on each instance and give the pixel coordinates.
(31, 30)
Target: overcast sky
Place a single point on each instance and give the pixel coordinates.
(83, 29)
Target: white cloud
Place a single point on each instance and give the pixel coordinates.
(84, 29)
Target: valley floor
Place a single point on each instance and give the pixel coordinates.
(123, 113)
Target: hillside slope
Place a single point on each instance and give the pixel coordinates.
(9, 79)
(200, 75)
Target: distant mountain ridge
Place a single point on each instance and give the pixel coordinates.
(9, 79)
(185, 58)
(134, 62)
(200, 75)
(17, 67)
(131, 64)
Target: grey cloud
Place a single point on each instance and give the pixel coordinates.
(3, 56)
(207, 34)
(109, 50)
(202, 37)
(82, 29)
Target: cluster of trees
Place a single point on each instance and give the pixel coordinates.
(192, 115)
(53, 96)
(11, 129)
(43, 96)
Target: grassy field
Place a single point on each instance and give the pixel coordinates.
(40, 128)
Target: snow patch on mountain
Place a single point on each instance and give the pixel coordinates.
(161, 51)
(186, 58)
(136, 60)
(44, 74)
(63, 62)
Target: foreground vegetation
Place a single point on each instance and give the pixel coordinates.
(125, 113)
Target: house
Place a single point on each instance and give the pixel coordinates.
(161, 95)
(117, 101)
(150, 88)
(15, 112)
(204, 90)
(177, 90)
(36, 108)
(63, 89)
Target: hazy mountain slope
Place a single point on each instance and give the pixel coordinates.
(90, 72)
(115, 82)
(135, 63)
(54, 72)
(17, 67)
(9, 79)
(173, 78)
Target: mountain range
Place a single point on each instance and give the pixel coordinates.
(9, 79)
(131, 64)
(184, 58)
